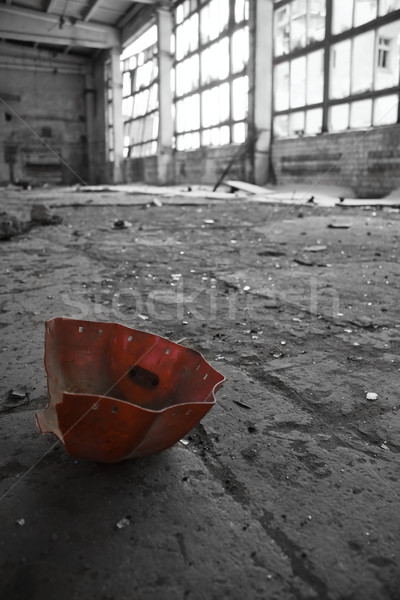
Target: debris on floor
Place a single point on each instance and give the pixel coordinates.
(372, 396)
(41, 215)
(143, 406)
(10, 226)
(124, 522)
(316, 248)
(121, 224)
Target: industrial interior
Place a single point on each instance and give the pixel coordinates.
(219, 179)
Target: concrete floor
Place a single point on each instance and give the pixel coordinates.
(289, 487)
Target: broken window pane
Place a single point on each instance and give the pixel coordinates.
(240, 49)
(361, 114)
(386, 6)
(282, 29)
(386, 110)
(240, 88)
(387, 56)
(296, 123)
(316, 21)
(214, 19)
(281, 126)
(340, 70)
(187, 36)
(281, 86)
(364, 11)
(239, 133)
(363, 62)
(215, 62)
(339, 117)
(315, 77)
(298, 82)
(298, 24)
(342, 16)
(313, 121)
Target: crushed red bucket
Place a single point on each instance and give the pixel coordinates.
(118, 393)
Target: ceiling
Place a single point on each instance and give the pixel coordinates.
(73, 26)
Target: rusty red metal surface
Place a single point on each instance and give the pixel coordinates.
(118, 393)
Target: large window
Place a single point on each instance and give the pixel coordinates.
(140, 113)
(336, 65)
(211, 83)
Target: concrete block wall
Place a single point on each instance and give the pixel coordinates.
(144, 170)
(367, 161)
(52, 104)
(206, 165)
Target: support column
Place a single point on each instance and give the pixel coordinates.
(260, 76)
(89, 101)
(165, 64)
(116, 77)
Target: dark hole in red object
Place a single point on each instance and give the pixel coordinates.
(143, 377)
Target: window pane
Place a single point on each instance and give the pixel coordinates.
(316, 21)
(281, 86)
(313, 121)
(282, 30)
(239, 133)
(386, 110)
(240, 88)
(339, 117)
(386, 6)
(363, 62)
(240, 49)
(188, 113)
(215, 105)
(315, 77)
(361, 114)
(364, 11)
(298, 24)
(298, 82)
(214, 19)
(342, 17)
(296, 123)
(241, 10)
(340, 70)
(281, 126)
(187, 75)
(387, 56)
(215, 62)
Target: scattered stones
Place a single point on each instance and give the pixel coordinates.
(124, 522)
(371, 396)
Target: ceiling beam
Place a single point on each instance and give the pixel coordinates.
(92, 9)
(51, 5)
(44, 28)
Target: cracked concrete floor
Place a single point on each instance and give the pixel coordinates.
(289, 487)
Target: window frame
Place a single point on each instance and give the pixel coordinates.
(227, 33)
(326, 45)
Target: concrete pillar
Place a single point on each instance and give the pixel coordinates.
(165, 158)
(116, 77)
(260, 83)
(89, 100)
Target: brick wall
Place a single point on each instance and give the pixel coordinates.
(53, 105)
(367, 161)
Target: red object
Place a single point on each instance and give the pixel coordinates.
(119, 393)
